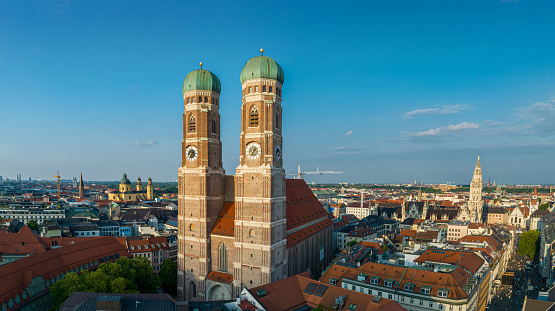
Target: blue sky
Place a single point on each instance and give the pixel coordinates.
(385, 91)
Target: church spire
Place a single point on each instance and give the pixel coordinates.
(81, 187)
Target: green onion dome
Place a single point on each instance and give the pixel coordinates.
(201, 79)
(262, 67)
(124, 180)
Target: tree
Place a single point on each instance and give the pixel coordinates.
(33, 225)
(134, 275)
(529, 243)
(351, 243)
(544, 206)
(168, 277)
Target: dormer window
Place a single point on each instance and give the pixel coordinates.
(388, 283)
(409, 287)
(443, 292)
(333, 281)
(425, 289)
(139, 247)
(375, 280)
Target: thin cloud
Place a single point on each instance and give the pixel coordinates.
(145, 144)
(344, 149)
(446, 129)
(539, 118)
(445, 109)
(349, 133)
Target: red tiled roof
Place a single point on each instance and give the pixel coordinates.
(289, 294)
(225, 223)
(17, 275)
(21, 243)
(301, 235)
(402, 275)
(467, 260)
(302, 205)
(147, 245)
(220, 277)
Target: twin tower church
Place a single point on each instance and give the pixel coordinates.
(254, 227)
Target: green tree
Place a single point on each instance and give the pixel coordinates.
(529, 243)
(33, 225)
(134, 275)
(544, 206)
(351, 243)
(168, 277)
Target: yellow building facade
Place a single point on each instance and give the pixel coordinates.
(126, 192)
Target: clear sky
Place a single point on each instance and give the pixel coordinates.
(385, 91)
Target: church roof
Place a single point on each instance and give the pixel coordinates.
(302, 208)
(262, 67)
(201, 79)
(225, 223)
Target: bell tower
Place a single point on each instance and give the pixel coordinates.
(260, 222)
(201, 181)
(475, 201)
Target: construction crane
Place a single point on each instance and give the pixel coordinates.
(58, 184)
(300, 173)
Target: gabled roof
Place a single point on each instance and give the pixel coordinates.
(467, 260)
(21, 243)
(302, 205)
(220, 277)
(17, 275)
(402, 275)
(299, 291)
(225, 223)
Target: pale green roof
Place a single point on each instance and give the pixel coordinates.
(262, 67)
(201, 79)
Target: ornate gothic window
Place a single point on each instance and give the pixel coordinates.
(254, 116)
(222, 257)
(192, 124)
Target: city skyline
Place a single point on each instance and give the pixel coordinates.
(386, 95)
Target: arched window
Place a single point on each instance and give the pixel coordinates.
(188, 100)
(200, 99)
(192, 124)
(264, 88)
(251, 233)
(277, 121)
(256, 88)
(214, 125)
(212, 100)
(271, 89)
(223, 257)
(193, 289)
(254, 116)
(250, 89)
(191, 227)
(206, 99)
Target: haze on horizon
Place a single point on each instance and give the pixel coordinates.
(389, 92)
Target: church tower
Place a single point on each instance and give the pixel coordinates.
(139, 184)
(81, 188)
(149, 190)
(201, 181)
(475, 201)
(260, 202)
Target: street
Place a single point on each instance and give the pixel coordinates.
(511, 297)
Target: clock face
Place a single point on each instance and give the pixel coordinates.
(253, 150)
(191, 153)
(277, 153)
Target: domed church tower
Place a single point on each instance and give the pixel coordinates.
(201, 181)
(260, 202)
